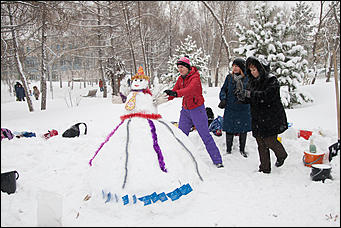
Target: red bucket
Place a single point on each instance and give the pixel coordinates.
(312, 158)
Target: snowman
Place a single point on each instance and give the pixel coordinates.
(140, 99)
(135, 163)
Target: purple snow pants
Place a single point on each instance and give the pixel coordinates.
(198, 118)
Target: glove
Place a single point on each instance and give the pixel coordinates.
(171, 93)
(222, 104)
(241, 95)
(161, 99)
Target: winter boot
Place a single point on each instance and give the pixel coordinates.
(280, 162)
(243, 153)
(229, 141)
(242, 142)
(220, 165)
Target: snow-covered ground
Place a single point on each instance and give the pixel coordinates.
(236, 195)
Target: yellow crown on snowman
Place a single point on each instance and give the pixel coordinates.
(140, 75)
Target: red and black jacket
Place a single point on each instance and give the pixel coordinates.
(190, 89)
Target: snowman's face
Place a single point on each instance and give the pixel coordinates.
(139, 84)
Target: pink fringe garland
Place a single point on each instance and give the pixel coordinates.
(107, 139)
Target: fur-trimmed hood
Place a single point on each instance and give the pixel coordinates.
(261, 64)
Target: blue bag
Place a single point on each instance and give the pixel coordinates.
(217, 126)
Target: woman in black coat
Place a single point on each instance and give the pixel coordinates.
(267, 112)
(21, 93)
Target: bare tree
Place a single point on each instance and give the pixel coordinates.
(141, 39)
(222, 29)
(127, 22)
(332, 35)
(100, 52)
(16, 57)
(44, 57)
(225, 14)
(317, 39)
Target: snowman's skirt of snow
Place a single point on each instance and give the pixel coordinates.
(128, 165)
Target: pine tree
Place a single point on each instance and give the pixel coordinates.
(302, 18)
(268, 39)
(196, 57)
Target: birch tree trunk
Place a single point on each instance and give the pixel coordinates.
(43, 58)
(100, 53)
(336, 74)
(216, 79)
(17, 60)
(337, 91)
(127, 23)
(146, 68)
(114, 85)
(170, 29)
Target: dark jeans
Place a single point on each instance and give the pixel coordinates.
(264, 144)
(229, 141)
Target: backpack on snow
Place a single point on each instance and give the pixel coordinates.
(73, 131)
(217, 126)
(6, 133)
(50, 134)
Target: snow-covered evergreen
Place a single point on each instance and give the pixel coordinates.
(302, 20)
(268, 37)
(196, 57)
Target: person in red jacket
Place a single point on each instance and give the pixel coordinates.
(100, 84)
(193, 112)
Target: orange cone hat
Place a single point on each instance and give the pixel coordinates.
(140, 75)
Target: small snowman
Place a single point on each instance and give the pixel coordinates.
(140, 99)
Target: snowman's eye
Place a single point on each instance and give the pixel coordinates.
(141, 80)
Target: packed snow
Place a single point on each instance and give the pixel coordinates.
(56, 183)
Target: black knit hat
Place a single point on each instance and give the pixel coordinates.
(240, 62)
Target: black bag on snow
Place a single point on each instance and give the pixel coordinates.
(210, 115)
(9, 181)
(73, 131)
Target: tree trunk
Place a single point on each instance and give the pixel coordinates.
(49, 76)
(112, 76)
(216, 79)
(127, 23)
(337, 91)
(222, 30)
(60, 80)
(18, 62)
(100, 53)
(330, 68)
(315, 43)
(146, 69)
(43, 59)
(170, 29)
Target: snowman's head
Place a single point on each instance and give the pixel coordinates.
(138, 84)
(139, 81)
